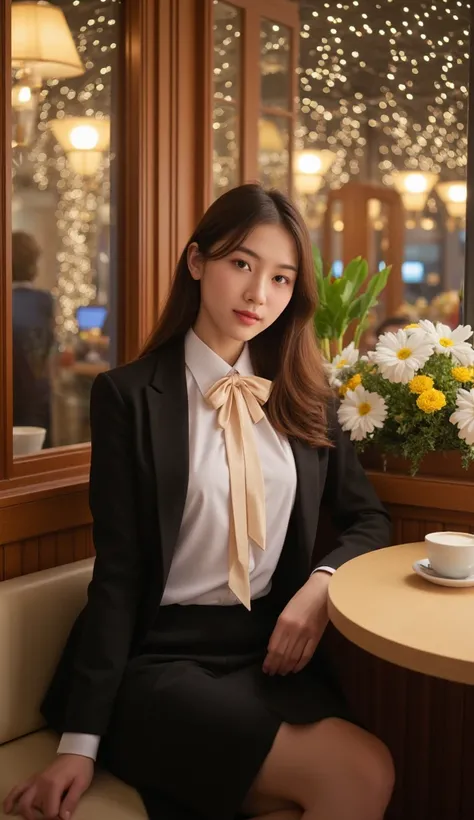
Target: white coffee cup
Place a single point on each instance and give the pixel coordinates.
(28, 440)
(451, 554)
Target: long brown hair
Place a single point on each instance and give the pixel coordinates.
(287, 351)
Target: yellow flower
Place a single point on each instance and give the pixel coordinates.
(409, 327)
(351, 384)
(431, 400)
(418, 384)
(463, 374)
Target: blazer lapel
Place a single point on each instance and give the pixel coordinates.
(168, 417)
(308, 494)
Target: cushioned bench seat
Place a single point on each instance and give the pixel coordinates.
(36, 614)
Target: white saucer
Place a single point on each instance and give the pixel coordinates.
(423, 568)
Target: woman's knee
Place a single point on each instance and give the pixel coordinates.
(307, 765)
(370, 764)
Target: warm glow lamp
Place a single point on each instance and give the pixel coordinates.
(42, 41)
(414, 187)
(454, 196)
(42, 48)
(84, 140)
(309, 168)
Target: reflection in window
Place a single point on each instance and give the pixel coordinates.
(226, 97)
(275, 102)
(383, 101)
(273, 133)
(63, 66)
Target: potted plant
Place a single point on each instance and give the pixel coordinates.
(344, 302)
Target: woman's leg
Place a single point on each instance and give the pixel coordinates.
(332, 770)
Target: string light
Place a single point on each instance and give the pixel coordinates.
(382, 84)
(393, 74)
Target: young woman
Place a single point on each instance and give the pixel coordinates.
(211, 456)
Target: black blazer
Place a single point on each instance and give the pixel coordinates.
(139, 475)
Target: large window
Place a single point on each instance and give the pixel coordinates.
(382, 144)
(64, 71)
(255, 44)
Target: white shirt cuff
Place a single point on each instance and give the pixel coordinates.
(77, 743)
(331, 570)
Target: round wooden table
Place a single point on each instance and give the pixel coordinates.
(402, 653)
(378, 603)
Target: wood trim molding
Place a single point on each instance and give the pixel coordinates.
(423, 491)
(6, 415)
(204, 98)
(282, 11)
(136, 191)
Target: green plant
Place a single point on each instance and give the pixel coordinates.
(341, 302)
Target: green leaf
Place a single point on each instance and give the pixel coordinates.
(354, 277)
(320, 281)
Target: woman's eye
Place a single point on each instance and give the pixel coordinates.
(283, 279)
(242, 264)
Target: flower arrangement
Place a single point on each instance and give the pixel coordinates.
(412, 395)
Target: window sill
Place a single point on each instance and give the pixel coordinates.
(45, 504)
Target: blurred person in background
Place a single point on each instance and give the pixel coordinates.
(33, 338)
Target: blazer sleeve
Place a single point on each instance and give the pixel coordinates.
(114, 593)
(359, 517)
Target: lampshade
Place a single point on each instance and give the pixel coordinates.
(309, 168)
(269, 137)
(84, 140)
(414, 187)
(82, 133)
(42, 41)
(454, 195)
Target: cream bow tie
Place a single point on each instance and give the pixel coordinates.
(238, 400)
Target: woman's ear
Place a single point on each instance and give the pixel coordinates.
(195, 261)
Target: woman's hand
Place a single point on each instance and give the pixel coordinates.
(53, 793)
(299, 628)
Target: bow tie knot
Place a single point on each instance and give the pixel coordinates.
(238, 401)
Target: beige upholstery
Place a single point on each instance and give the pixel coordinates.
(36, 614)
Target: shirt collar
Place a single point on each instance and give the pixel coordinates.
(207, 367)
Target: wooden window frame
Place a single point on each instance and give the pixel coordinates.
(156, 208)
(285, 12)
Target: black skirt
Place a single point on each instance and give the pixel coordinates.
(195, 716)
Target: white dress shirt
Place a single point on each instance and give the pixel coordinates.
(199, 569)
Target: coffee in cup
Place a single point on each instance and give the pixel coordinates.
(451, 554)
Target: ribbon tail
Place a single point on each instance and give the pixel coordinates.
(239, 580)
(255, 485)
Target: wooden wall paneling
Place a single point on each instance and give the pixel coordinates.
(34, 554)
(187, 76)
(29, 556)
(12, 567)
(65, 547)
(47, 551)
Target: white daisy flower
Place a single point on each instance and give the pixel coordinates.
(361, 412)
(451, 342)
(464, 415)
(399, 355)
(341, 362)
